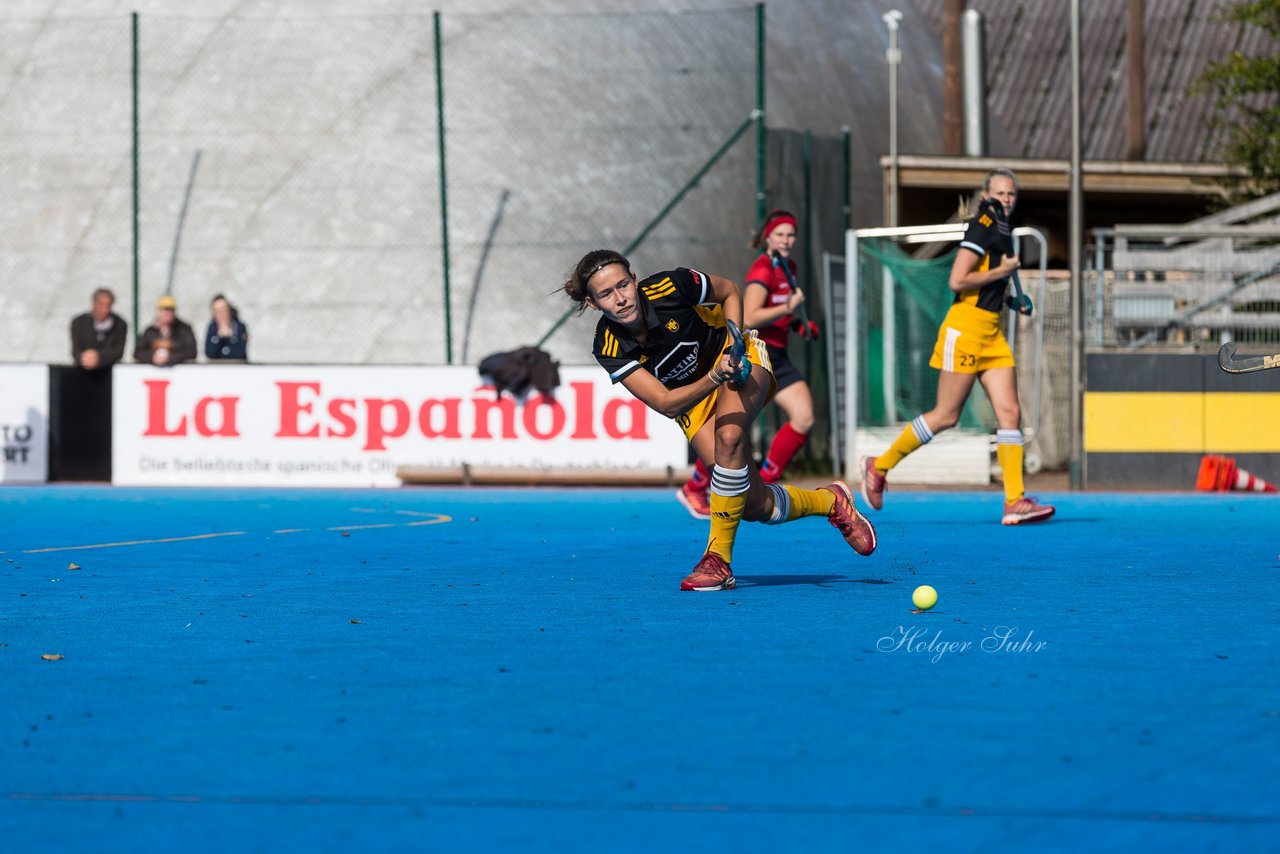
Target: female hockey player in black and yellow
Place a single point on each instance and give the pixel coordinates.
(669, 340)
(971, 346)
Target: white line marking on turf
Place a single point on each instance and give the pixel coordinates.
(438, 518)
(134, 543)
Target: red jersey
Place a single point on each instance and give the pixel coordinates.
(774, 280)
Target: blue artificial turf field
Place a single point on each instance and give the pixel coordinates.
(470, 669)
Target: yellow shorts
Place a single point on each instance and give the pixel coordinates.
(700, 413)
(970, 341)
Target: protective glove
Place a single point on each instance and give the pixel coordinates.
(1020, 303)
(738, 353)
(806, 329)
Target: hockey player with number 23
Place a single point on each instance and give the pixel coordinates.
(674, 341)
(971, 346)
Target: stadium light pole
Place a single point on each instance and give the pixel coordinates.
(894, 57)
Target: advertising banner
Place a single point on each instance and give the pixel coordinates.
(269, 425)
(24, 423)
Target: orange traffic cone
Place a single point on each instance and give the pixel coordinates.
(1221, 474)
(1207, 477)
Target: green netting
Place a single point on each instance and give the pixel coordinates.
(920, 298)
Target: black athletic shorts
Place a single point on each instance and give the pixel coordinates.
(784, 370)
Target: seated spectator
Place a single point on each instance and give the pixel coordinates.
(98, 336)
(168, 341)
(227, 337)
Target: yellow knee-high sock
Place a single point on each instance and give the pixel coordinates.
(790, 503)
(1009, 455)
(914, 435)
(728, 500)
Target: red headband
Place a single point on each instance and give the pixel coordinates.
(781, 219)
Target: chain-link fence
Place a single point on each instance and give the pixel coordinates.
(297, 166)
(65, 144)
(1186, 288)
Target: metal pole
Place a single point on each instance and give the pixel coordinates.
(136, 235)
(1076, 213)
(975, 85)
(846, 145)
(759, 115)
(894, 57)
(444, 195)
(852, 340)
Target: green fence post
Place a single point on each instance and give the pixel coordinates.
(444, 195)
(136, 236)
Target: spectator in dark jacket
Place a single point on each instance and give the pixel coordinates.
(227, 338)
(168, 341)
(98, 336)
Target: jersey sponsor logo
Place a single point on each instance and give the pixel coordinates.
(672, 326)
(660, 289)
(679, 364)
(985, 220)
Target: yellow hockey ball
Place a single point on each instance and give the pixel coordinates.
(924, 597)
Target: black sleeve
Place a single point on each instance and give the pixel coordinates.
(616, 355)
(983, 235)
(113, 347)
(142, 352)
(79, 343)
(696, 286)
(184, 344)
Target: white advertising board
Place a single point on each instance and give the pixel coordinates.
(24, 423)
(272, 425)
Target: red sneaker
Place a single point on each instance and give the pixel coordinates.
(711, 573)
(1025, 509)
(696, 501)
(845, 517)
(873, 483)
(769, 472)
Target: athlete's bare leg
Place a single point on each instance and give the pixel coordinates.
(953, 391)
(1001, 385)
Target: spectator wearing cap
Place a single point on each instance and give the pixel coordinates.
(98, 336)
(168, 341)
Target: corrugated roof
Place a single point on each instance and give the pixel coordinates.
(1029, 67)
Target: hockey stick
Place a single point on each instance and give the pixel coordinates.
(1245, 364)
(779, 261)
(737, 354)
(1019, 302)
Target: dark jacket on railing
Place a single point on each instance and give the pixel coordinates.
(109, 344)
(233, 346)
(181, 343)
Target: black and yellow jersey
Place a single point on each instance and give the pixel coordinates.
(685, 331)
(988, 235)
